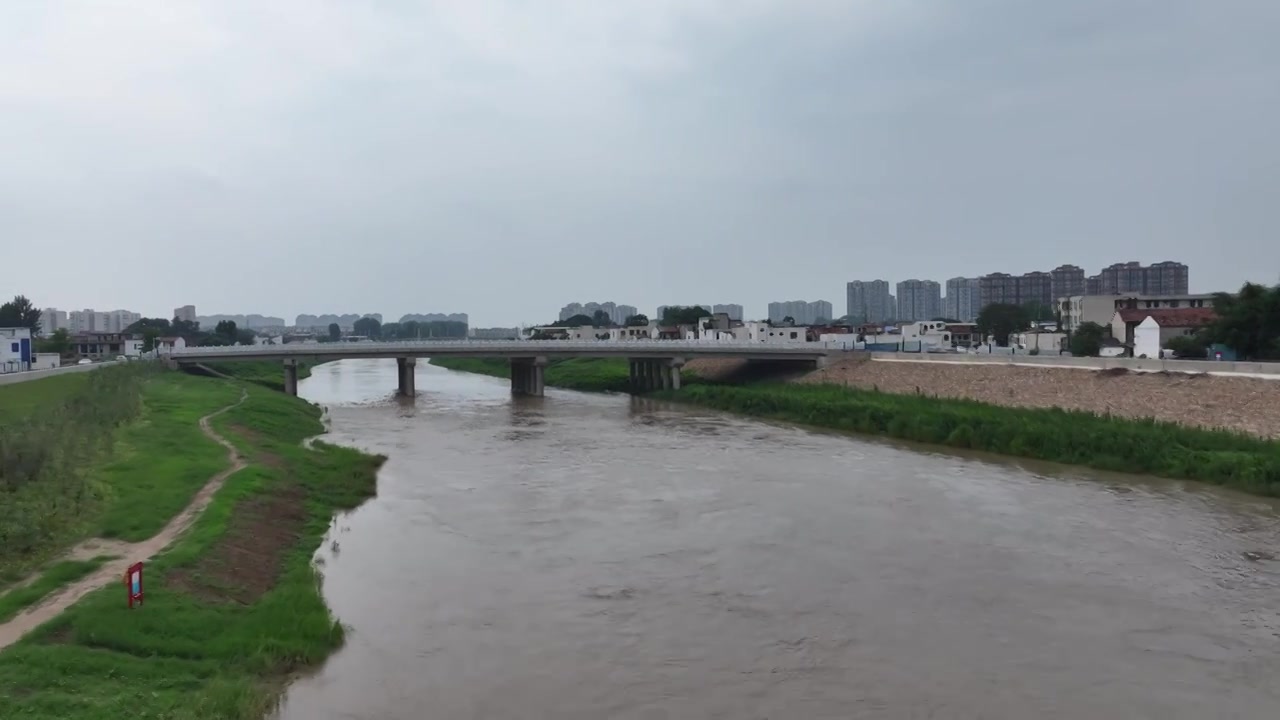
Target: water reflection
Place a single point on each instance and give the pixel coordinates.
(582, 556)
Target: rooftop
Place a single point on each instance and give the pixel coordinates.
(1169, 317)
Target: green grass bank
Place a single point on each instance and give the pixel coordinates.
(1148, 447)
(265, 373)
(233, 607)
(61, 573)
(1236, 460)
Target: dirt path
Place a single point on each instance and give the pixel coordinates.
(126, 553)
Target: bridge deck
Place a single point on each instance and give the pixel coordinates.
(550, 349)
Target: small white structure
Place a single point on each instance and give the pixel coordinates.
(46, 361)
(1146, 339)
(16, 349)
(166, 345)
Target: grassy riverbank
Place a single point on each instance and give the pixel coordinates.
(61, 573)
(1225, 458)
(266, 373)
(588, 374)
(1232, 459)
(93, 456)
(233, 608)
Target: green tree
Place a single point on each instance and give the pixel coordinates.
(226, 329)
(160, 325)
(1001, 320)
(600, 318)
(1248, 322)
(369, 327)
(789, 321)
(1190, 347)
(391, 331)
(637, 320)
(1087, 339)
(577, 321)
(680, 315)
(149, 337)
(1038, 312)
(59, 342)
(19, 312)
(335, 332)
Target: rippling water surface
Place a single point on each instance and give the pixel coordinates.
(584, 556)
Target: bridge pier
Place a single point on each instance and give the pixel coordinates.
(406, 368)
(291, 376)
(649, 374)
(528, 376)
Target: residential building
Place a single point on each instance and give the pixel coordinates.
(1170, 323)
(105, 345)
(53, 320)
(1162, 278)
(617, 314)
(186, 313)
(869, 301)
(17, 350)
(120, 320)
(961, 302)
(1039, 341)
(997, 288)
(733, 310)
(1035, 287)
(1067, 281)
(497, 333)
(1078, 309)
(88, 320)
(1007, 289)
(800, 311)
(1151, 302)
(919, 300)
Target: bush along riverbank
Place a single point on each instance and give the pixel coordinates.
(233, 607)
(587, 374)
(1146, 447)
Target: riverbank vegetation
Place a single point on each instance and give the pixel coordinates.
(1147, 447)
(590, 374)
(233, 608)
(61, 573)
(267, 373)
(73, 456)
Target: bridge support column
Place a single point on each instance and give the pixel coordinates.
(406, 370)
(527, 376)
(291, 377)
(673, 372)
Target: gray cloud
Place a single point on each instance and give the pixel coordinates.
(498, 159)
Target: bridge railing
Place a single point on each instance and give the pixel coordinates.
(619, 347)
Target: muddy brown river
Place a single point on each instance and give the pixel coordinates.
(589, 557)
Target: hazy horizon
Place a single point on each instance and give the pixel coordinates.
(500, 160)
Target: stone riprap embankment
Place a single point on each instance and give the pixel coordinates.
(1239, 403)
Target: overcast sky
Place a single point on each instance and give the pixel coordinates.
(505, 158)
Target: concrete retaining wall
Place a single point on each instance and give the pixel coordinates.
(18, 377)
(1252, 369)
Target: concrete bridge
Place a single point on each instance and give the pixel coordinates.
(655, 364)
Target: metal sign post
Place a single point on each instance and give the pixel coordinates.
(133, 584)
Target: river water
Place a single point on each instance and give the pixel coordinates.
(589, 556)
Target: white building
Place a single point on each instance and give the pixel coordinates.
(16, 349)
(186, 313)
(166, 345)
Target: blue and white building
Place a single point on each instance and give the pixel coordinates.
(17, 350)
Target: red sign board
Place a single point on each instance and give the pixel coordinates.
(133, 584)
